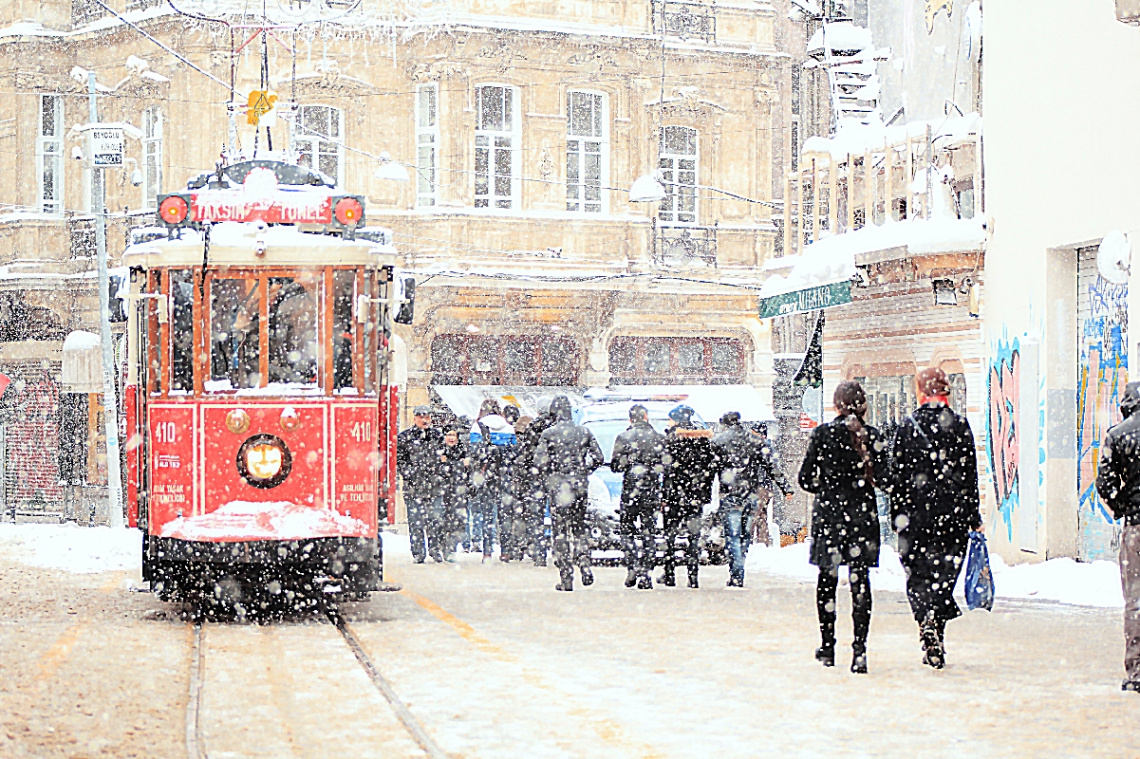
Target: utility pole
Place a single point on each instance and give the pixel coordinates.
(110, 406)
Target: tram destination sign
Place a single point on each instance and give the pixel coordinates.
(808, 299)
(281, 207)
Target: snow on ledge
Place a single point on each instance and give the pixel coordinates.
(274, 520)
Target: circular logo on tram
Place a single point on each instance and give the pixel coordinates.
(264, 461)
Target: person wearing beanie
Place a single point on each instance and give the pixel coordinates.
(637, 457)
(935, 503)
(1118, 484)
(685, 490)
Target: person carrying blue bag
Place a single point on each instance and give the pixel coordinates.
(935, 504)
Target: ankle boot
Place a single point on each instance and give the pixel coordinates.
(668, 578)
(825, 654)
(859, 657)
(693, 571)
(567, 580)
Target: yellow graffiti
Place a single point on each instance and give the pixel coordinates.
(932, 8)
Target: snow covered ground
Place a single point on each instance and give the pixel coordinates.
(1062, 580)
(82, 550)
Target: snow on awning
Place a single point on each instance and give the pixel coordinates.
(709, 401)
(465, 400)
(82, 363)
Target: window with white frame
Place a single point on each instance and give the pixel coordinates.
(49, 154)
(427, 143)
(585, 151)
(318, 139)
(494, 147)
(152, 156)
(677, 162)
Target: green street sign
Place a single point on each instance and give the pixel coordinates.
(811, 299)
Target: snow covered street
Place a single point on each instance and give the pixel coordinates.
(492, 662)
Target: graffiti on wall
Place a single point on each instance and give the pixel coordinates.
(1001, 428)
(1103, 375)
(932, 9)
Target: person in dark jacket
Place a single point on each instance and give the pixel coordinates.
(529, 485)
(418, 450)
(455, 483)
(844, 460)
(934, 505)
(689, 469)
(1118, 485)
(637, 457)
(566, 455)
(743, 461)
(492, 439)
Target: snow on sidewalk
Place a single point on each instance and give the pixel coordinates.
(81, 550)
(1062, 580)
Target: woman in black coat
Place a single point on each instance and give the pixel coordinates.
(934, 506)
(845, 459)
(689, 465)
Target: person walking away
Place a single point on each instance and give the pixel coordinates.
(934, 503)
(1118, 485)
(566, 455)
(512, 519)
(528, 482)
(686, 489)
(490, 437)
(418, 451)
(844, 460)
(741, 460)
(637, 457)
(455, 481)
(765, 484)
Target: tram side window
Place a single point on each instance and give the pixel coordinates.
(344, 289)
(182, 331)
(292, 331)
(234, 321)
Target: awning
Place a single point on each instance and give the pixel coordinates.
(82, 363)
(465, 400)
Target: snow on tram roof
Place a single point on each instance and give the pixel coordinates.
(239, 242)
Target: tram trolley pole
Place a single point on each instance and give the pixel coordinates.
(110, 404)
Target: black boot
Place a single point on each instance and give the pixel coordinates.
(825, 654)
(859, 657)
(587, 576)
(932, 654)
(630, 578)
(693, 577)
(667, 577)
(644, 583)
(567, 580)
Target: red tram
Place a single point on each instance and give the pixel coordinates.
(260, 419)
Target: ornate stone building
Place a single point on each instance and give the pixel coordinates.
(521, 126)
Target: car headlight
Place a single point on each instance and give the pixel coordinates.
(264, 461)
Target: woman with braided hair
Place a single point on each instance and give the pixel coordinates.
(845, 459)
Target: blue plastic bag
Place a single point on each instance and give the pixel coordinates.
(979, 579)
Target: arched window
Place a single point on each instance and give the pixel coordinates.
(504, 360)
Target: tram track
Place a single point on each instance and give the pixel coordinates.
(195, 717)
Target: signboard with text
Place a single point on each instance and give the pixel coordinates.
(808, 299)
(107, 148)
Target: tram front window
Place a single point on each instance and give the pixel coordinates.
(292, 331)
(344, 293)
(234, 347)
(182, 331)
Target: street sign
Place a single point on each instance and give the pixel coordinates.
(809, 299)
(261, 102)
(107, 148)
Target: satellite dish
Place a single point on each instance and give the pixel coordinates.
(1114, 257)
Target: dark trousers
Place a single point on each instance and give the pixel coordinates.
(512, 525)
(930, 579)
(825, 591)
(682, 526)
(537, 543)
(638, 521)
(426, 525)
(568, 510)
(484, 511)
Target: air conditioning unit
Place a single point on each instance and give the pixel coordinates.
(1128, 11)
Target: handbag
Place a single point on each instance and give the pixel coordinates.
(979, 579)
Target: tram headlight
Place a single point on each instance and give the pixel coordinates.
(264, 461)
(348, 211)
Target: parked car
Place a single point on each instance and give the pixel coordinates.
(607, 418)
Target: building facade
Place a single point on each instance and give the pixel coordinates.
(521, 128)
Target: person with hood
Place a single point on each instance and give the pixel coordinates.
(418, 451)
(844, 461)
(512, 518)
(686, 488)
(491, 439)
(742, 460)
(637, 457)
(455, 482)
(934, 505)
(566, 455)
(1118, 485)
(528, 482)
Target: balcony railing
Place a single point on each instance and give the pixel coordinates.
(685, 20)
(684, 246)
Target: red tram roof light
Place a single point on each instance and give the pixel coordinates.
(348, 211)
(173, 210)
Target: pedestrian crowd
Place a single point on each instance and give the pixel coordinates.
(521, 479)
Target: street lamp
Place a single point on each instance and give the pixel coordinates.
(391, 170)
(647, 188)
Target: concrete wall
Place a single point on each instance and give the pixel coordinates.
(1061, 162)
